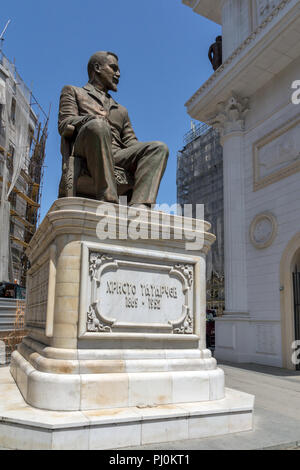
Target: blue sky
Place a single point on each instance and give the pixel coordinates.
(162, 47)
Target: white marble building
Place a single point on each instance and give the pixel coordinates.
(250, 99)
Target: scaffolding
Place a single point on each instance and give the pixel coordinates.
(23, 136)
(200, 181)
(14, 336)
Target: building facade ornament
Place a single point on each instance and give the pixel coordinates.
(230, 115)
(276, 155)
(265, 7)
(93, 321)
(186, 326)
(263, 230)
(96, 261)
(187, 272)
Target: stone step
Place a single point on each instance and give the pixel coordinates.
(24, 427)
(8, 304)
(8, 309)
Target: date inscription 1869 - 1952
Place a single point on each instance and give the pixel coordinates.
(149, 295)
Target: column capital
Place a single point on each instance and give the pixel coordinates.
(229, 117)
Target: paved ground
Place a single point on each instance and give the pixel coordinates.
(276, 416)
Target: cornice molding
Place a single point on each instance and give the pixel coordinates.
(211, 9)
(78, 216)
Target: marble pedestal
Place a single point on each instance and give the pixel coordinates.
(120, 324)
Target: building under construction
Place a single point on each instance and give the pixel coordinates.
(200, 181)
(23, 134)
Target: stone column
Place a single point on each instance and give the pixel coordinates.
(230, 119)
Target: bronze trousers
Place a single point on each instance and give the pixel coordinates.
(145, 160)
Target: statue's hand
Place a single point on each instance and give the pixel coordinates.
(91, 117)
(87, 118)
(102, 114)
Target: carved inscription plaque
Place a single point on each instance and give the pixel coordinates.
(133, 295)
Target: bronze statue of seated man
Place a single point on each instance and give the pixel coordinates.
(104, 139)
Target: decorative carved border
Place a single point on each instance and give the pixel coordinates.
(97, 322)
(290, 169)
(258, 218)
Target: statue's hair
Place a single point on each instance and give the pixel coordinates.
(101, 58)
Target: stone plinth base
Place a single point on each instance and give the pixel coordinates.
(116, 322)
(24, 427)
(114, 379)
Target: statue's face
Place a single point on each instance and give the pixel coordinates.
(108, 74)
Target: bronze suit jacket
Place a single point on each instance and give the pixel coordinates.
(77, 103)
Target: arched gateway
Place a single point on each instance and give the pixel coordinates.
(290, 301)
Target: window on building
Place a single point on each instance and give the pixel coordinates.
(10, 155)
(13, 110)
(11, 151)
(13, 199)
(2, 126)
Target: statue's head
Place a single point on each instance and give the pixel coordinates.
(219, 38)
(103, 70)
